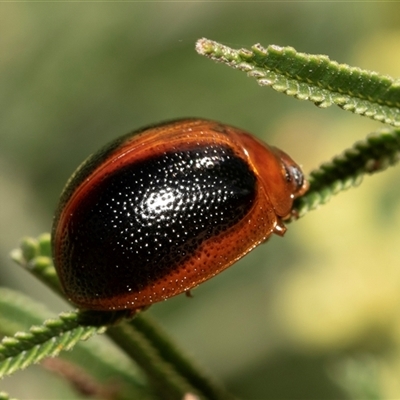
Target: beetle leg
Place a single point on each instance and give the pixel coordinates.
(279, 228)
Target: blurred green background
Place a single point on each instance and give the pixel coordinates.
(312, 316)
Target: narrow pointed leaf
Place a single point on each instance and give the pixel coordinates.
(314, 78)
(47, 340)
(377, 152)
(18, 312)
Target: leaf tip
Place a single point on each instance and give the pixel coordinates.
(204, 46)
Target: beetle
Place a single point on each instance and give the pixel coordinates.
(158, 211)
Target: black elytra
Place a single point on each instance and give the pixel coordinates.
(144, 219)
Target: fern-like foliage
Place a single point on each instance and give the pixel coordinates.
(374, 154)
(314, 78)
(34, 254)
(47, 340)
(90, 360)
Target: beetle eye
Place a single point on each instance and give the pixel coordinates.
(294, 175)
(297, 176)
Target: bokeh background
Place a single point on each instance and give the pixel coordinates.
(315, 315)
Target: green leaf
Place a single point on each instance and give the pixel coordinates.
(34, 255)
(377, 152)
(18, 312)
(314, 78)
(46, 340)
